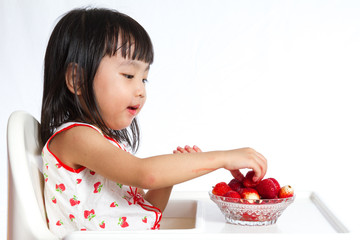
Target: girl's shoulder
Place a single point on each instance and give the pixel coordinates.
(70, 125)
(74, 139)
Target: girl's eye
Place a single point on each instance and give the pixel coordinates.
(128, 76)
(145, 80)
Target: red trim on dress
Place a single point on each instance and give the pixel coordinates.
(117, 144)
(138, 199)
(57, 159)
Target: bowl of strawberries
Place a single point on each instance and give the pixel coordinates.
(245, 202)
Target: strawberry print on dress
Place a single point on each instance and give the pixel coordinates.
(80, 199)
(102, 224)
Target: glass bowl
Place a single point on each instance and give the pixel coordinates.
(251, 212)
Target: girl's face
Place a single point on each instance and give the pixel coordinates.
(119, 87)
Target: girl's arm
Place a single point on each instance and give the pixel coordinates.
(84, 146)
(160, 197)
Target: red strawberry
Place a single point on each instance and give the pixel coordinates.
(235, 185)
(249, 194)
(220, 189)
(122, 222)
(248, 180)
(276, 183)
(250, 218)
(59, 223)
(78, 181)
(267, 189)
(102, 224)
(89, 214)
(53, 199)
(46, 177)
(144, 219)
(97, 187)
(233, 195)
(71, 217)
(286, 191)
(74, 201)
(114, 204)
(92, 172)
(60, 188)
(58, 165)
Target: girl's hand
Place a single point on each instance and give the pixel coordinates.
(187, 149)
(246, 158)
(160, 197)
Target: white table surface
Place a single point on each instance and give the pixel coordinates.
(299, 220)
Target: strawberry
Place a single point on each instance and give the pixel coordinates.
(248, 180)
(144, 219)
(248, 217)
(235, 185)
(102, 224)
(89, 214)
(267, 189)
(220, 189)
(114, 204)
(59, 223)
(233, 195)
(122, 222)
(92, 172)
(46, 177)
(71, 217)
(53, 199)
(60, 188)
(97, 187)
(78, 181)
(249, 194)
(74, 201)
(286, 192)
(276, 183)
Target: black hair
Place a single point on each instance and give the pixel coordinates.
(81, 38)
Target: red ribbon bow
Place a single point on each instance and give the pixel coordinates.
(135, 196)
(138, 199)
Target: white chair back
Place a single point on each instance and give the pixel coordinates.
(26, 210)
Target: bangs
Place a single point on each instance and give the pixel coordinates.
(129, 38)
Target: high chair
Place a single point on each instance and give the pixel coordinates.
(26, 210)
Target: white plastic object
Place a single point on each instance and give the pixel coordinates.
(26, 210)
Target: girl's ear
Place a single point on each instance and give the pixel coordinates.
(72, 80)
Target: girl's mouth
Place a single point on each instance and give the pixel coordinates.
(133, 109)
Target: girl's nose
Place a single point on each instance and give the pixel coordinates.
(140, 90)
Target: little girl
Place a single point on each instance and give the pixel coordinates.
(96, 67)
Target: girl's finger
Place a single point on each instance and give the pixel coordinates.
(189, 149)
(262, 164)
(196, 148)
(262, 158)
(259, 173)
(180, 149)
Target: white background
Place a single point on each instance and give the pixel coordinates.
(279, 76)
